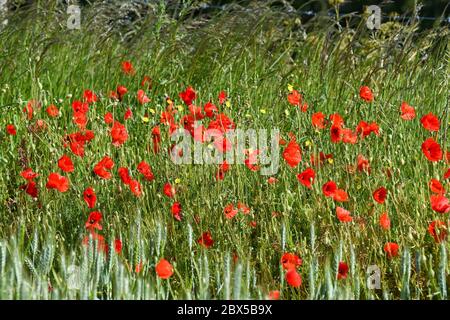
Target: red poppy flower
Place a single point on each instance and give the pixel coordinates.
(272, 180)
(89, 96)
(318, 120)
(145, 169)
(364, 129)
(121, 91)
(230, 211)
(127, 67)
(52, 111)
(55, 181)
(210, 110)
(432, 150)
(119, 134)
(128, 114)
(362, 164)
(11, 130)
(164, 269)
(118, 246)
(135, 187)
(293, 278)
(408, 112)
(335, 133)
(440, 204)
(188, 95)
(391, 249)
(80, 107)
(156, 139)
(438, 230)
(124, 175)
(102, 168)
(292, 154)
(222, 97)
(340, 195)
(447, 174)
(93, 221)
(307, 177)
(329, 188)
(430, 122)
(295, 98)
(80, 119)
(66, 164)
(169, 190)
(436, 187)
(109, 118)
(336, 120)
(28, 174)
(223, 168)
(206, 240)
(366, 94)
(274, 295)
(343, 215)
(176, 211)
(29, 109)
(380, 195)
(290, 261)
(90, 197)
(243, 208)
(30, 188)
(385, 222)
(348, 136)
(342, 271)
(141, 97)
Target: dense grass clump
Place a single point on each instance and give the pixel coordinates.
(254, 55)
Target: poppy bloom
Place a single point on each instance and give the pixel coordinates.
(343, 215)
(290, 261)
(127, 67)
(223, 168)
(408, 112)
(119, 134)
(432, 150)
(335, 133)
(141, 97)
(66, 164)
(307, 177)
(145, 169)
(128, 114)
(366, 94)
(380, 195)
(440, 204)
(102, 168)
(169, 190)
(28, 174)
(272, 180)
(222, 97)
(293, 278)
(188, 96)
(52, 111)
(295, 98)
(340, 196)
(93, 221)
(135, 187)
(210, 110)
(329, 188)
(58, 182)
(274, 295)
(108, 118)
(391, 249)
(90, 197)
(243, 208)
(438, 230)
(230, 211)
(29, 109)
(362, 164)
(118, 246)
(436, 187)
(336, 120)
(292, 154)
(89, 96)
(364, 129)
(447, 174)
(164, 269)
(342, 270)
(385, 222)
(206, 240)
(176, 210)
(156, 139)
(121, 91)
(30, 188)
(11, 129)
(348, 136)
(430, 122)
(318, 120)
(124, 175)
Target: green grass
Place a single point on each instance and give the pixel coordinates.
(253, 56)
